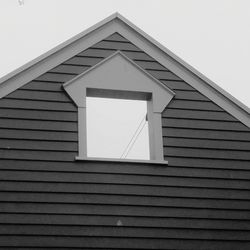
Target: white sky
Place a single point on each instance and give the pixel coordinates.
(211, 35)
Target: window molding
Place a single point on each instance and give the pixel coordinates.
(119, 77)
(94, 159)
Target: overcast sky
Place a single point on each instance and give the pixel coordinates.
(211, 35)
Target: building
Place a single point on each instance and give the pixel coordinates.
(193, 193)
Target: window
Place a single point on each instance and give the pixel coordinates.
(119, 77)
(117, 128)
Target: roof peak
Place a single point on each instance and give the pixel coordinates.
(139, 38)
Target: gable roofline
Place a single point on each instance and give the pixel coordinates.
(185, 64)
(117, 23)
(57, 48)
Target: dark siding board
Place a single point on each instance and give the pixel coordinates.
(122, 210)
(207, 162)
(38, 135)
(85, 61)
(195, 114)
(38, 125)
(43, 86)
(203, 124)
(39, 95)
(37, 155)
(206, 153)
(38, 115)
(109, 178)
(122, 189)
(55, 77)
(138, 56)
(182, 172)
(96, 53)
(193, 105)
(131, 221)
(116, 45)
(206, 144)
(207, 134)
(106, 231)
(69, 69)
(119, 243)
(38, 145)
(150, 65)
(127, 200)
(54, 248)
(163, 75)
(36, 105)
(40, 177)
(190, 95)
(129, 169)
(177, 85)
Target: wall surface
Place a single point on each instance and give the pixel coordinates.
(50, 201)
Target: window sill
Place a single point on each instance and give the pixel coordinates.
(78, 158)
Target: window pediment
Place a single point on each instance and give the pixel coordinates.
(119, 77)
(118, 73)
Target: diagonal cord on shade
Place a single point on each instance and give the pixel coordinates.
(135, 135)
(135, 139)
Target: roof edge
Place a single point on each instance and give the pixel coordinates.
(115, 23)
(57, 48)
(185, 64)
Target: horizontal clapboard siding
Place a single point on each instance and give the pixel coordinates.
(43, 86)
(126, 179)
(126, 232)
(27, 134)
(207, 153)
(124, 189)
(133, 221)
(123, 210)
(195, 114)
(70, 69)
(38, 125)
(127, 168)
(203, 124)
(126, 200)
(116, 243)
(39, 155)
(41, 95)
(38, 145)
(36, 105)
(223, 135)
(201, 200)
(208, 144)
(193, 105)
(38, 115)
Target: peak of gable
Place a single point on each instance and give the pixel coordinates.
(117, 27)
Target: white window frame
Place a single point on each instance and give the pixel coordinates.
(119, 77)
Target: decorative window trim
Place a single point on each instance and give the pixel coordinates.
(94, 159)
(119, 77)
